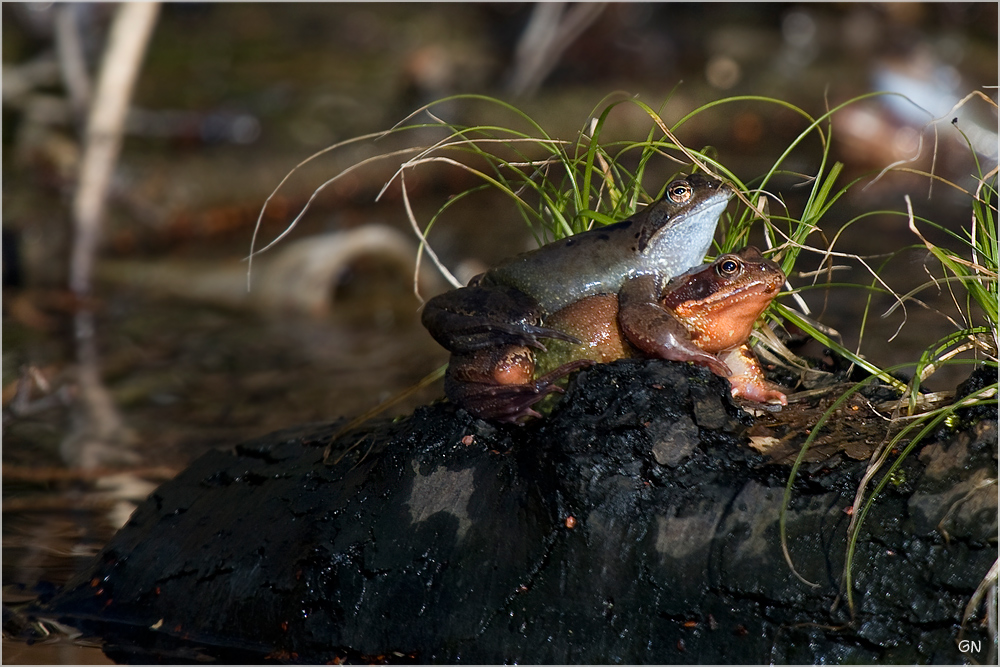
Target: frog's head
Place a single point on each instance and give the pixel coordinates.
(677, 230)
(722, 300)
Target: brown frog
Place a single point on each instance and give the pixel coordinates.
(712, 308)
(704, 316)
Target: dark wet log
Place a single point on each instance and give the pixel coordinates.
(632, 525)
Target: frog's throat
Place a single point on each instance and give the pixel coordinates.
(683, 243)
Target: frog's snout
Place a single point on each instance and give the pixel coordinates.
(774, 282)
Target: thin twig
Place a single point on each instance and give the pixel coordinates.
(455, 282)
(72, 63)
(58, 503)
(35, 474)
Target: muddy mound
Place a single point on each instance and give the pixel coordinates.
(633, 525)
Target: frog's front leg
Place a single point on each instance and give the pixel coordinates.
(498, 382)
(748, 379)
(657, 331)
(477, 317)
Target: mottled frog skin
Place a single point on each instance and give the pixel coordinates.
(492, 326)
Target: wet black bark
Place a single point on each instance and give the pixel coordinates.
(633, 525)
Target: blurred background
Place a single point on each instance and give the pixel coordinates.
(230, 97)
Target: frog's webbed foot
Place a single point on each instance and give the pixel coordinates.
(477, 317)
(655, 330)
(748, 381)
(495, 390)
(502, 403)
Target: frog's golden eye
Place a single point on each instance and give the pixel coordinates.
(679, 192)
(729, 267)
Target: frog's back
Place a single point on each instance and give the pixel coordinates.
(557, 274)
(666, 238)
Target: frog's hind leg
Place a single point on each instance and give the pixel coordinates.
(477, 317)
(498, 383)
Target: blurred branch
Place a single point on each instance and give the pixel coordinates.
(99, 435)
(51, 475)
(551, 30)
(72, 61)
(130, 32)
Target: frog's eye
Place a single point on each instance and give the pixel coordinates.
(728, 267)
(679, 192)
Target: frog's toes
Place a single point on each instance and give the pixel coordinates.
(533, 333)
(508, 402)
(561, 372)
(499, 402)
(769, 397)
